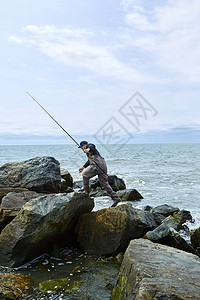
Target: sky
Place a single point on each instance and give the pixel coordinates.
(101, 68)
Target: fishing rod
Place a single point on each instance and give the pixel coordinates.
(69, 135)
(54, 119)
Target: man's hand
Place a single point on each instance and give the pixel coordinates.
(86, 150)
(81, 169)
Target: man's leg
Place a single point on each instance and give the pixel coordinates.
(103, 179)
(87, 174)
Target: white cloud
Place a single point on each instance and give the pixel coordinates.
(73, 47)
(171, 34)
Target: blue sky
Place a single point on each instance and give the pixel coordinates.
(83, 60)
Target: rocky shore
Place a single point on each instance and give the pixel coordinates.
(41, 208)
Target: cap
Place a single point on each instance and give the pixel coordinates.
(83, 143)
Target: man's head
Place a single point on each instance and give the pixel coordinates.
(83, 144)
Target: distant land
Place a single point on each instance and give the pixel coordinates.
(172, 135)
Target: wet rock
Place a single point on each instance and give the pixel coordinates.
(115, 182)
(195, 239)
(162, 231)
(41, 222)
(129, 195)
(159, 218)
(166, 234)
(5, 191)
(40, 174)
(11, 205)
(182, 216)
(147, 208)
(14, 286)
(177, 241)
(154, 271)
(15, 201)
(98, 193)
(108, 231)
(65, 174)
(165, 210)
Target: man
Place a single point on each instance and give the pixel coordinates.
(96, 165)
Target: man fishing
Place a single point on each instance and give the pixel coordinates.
(96, 165)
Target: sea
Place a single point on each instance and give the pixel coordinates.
(162, 173)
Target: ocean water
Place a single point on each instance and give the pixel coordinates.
(162, 173)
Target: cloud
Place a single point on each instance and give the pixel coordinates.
(73, 47)
(170, 33)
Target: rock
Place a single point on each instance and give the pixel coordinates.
(65, 188)
(5, 191)
(166, 234)
(165, 210)
(159, 218)
(15, 201)
(108, 231)
(176, 241)
(40, 174)
(153, 271)
(41, 222)
(14, 286)
(195, 239)
(162, 231)
(147, 208)
(129, 195)
(115, 182)
(182, 216)
(11, 205)
(65, 174)
(98, 193)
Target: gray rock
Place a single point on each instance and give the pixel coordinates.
(15, 201)
(40, 223)
(98, 193)
(162, 231)
(147, 208)
(165, 210)
(177, 241)
(153, 271)
(65, 174)
(115, 182)
(195, 239)
(40, 174)
(182, 216)
(108, 231)
(166, 234)
(5, 191)
(11, 205)
(129, 195)
(159, 218)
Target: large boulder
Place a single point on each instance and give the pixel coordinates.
(115, 182)
(40, 223)
(154, 271)
(108, 231)
(40, 174)
(14, 286)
